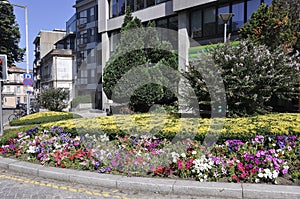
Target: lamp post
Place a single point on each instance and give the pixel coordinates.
(225, 18)
(27, 49)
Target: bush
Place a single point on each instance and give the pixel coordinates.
(252, 76)
(43, 117)
(55, 99)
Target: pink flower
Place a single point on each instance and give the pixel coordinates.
(179, 162)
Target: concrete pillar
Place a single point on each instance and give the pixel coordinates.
(105, 58)
(183, 56)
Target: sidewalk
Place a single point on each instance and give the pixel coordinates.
(165, 186)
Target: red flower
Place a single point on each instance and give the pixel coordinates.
(63, 165)
(159, 169)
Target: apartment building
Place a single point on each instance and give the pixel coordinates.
(44, 43)
(14, 92)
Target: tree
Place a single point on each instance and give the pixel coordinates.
(277, 25)
(54, 99)
(10, 35)
(139, 46)
(252, 75)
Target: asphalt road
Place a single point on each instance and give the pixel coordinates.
(19, 186)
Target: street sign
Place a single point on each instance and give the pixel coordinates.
(27, 82)
(27, 76)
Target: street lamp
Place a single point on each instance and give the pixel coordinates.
(27, 49)
(225, 18)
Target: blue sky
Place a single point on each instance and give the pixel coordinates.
(42, 15)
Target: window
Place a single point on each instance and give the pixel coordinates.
(252, 6)
(92, 35)
(130, 4)
(82, 17)
(196, 23)
(18, 89)
(91, 56)
(92, 15)
(82, 38)
(150, 3)
(91, 76)
(114, 40)
(238, 18)
(114, 8)
(222, 9)
(209, 22)
(121, 7)
(139, 4)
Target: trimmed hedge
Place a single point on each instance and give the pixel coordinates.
(43, 117)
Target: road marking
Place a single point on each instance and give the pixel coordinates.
(55, 186)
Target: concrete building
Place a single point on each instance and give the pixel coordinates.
(44, 43)
(14, 92)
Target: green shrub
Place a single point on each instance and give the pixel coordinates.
(55, 99)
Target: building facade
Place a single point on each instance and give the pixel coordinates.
(88, 53)
(14, 91)
(43, 44)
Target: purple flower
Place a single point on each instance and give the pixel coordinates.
(284, 171)
(108, 169)
(102, 170)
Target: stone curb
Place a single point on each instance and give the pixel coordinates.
(164, 186)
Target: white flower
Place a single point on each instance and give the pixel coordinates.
(31, 149)
(260, 175)
(194, 152)
(257, 180)
(275, 174)
(183, 155)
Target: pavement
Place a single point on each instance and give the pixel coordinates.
(163, 186)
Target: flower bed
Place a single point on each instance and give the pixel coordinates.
(43, 117)
(267, 159)
(167, 126)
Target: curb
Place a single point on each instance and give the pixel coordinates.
(165, 186)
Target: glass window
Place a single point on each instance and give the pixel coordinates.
(121, 7)
(160, 1)
(18, 89)
(91, 14)
(196, 24)
(139, 4)
(238, 18)
(252, 6)
(223, 9)
(209, 22)
(114, 8)
(173, 23)
(150, 3)
(92, 35)
(130, 4)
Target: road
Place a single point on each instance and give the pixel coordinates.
(19, 186)
(6, 113)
